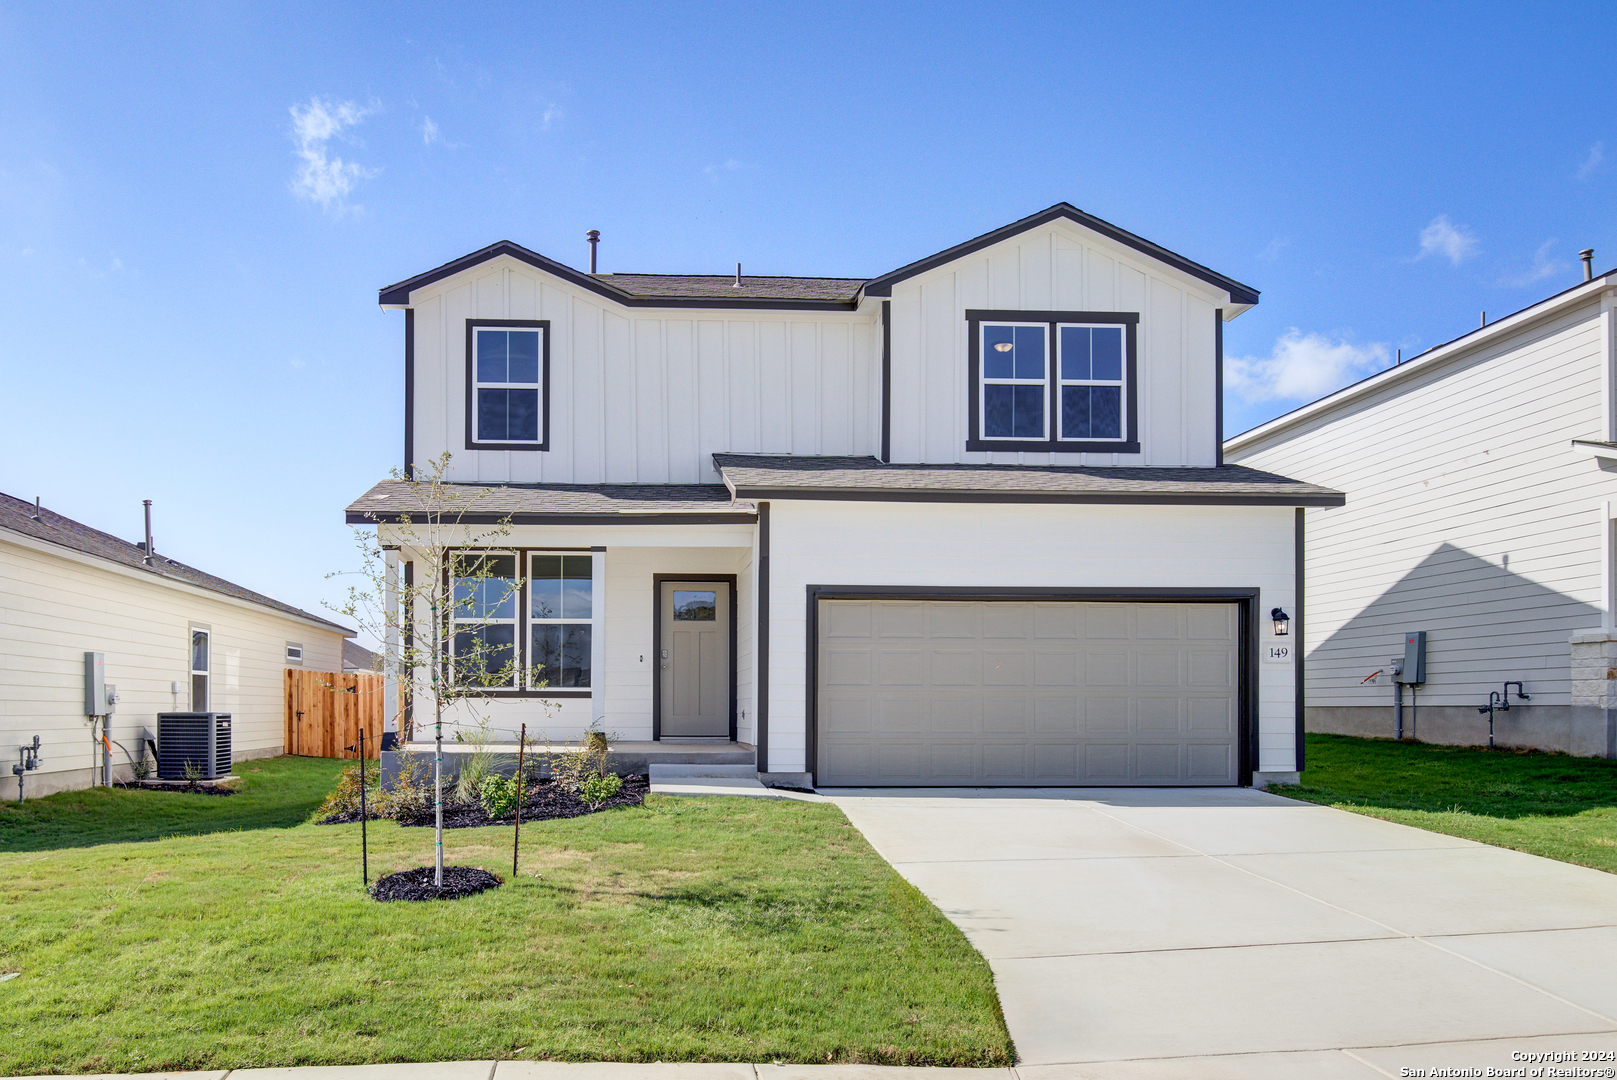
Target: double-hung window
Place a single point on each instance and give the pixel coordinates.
(1052, 381)
(561, 608)
(485, 591)
(507, 380)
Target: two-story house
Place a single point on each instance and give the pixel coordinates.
(965, 523)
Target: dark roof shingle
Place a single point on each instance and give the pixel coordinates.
(765, 477)
(18, 516)
(523, 503)
(695, 286)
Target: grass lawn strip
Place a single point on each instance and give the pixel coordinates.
(1553, 805)
(709, 929)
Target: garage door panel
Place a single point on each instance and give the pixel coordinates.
(1158, 715)
(1012, 692)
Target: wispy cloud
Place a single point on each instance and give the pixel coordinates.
(551, 114)
(1593, 163)
(1276, 246)
(429, 131)
(1442, 237)
(713, 172)
(1544, 265)
(1302, 367)
(320, 176)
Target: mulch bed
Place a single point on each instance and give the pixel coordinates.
(417, 884)
(200, 789)
(541, 801)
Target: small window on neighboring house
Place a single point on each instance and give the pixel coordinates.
(1052, 381)
(294, 653)
(201, 648)
(508, 366)
(483, 647)
(561, 608)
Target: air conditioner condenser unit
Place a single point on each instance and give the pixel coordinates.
(188, 741)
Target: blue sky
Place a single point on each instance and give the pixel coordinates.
(197, 204)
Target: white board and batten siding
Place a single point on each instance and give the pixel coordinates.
(58, 605)
(1060, 267)
(953, 545)
(1469, 515)
(647, 396)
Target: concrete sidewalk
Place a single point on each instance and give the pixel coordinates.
(1210, 933)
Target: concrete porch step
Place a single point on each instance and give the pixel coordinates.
(669, 770)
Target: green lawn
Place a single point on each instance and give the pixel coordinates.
(1547, 804)
(229, 932)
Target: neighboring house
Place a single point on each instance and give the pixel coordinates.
(962, 523)
(356, 657)
(1480, 478)
(174, 638)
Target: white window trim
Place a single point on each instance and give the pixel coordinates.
(206, 673)
(290, 645)
(593, 622)
(984, 382)
(515, 622)
(1121, 382)
(537, 385)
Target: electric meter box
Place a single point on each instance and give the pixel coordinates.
(95, 684)
(1414, 669)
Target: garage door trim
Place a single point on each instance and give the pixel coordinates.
(1246, 601)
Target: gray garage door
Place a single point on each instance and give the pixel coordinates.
(918, 692)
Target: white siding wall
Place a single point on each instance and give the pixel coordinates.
(1469, 515)
(646, 396)
(633, 555)
(861, 543)
(54, 608)
(1062, 267)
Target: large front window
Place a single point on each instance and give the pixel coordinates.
(1052, 381)
(507, 374)
(483, 646)
(561, 589)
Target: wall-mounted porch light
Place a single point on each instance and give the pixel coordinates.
(1282, 622)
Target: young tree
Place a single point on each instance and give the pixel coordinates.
(449, 632)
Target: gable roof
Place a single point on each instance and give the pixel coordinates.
(18, 517)
(803, 293)
(1240, 294)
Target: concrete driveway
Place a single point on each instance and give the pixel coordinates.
(1230, 933)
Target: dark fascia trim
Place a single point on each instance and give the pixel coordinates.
(887, 380)
(657, 644)
(409, 393)
(716, 518)
(1245, 599)
(1130, 443)
(472, 443)
(1218, 387)
(1297, 647)
(1001, 496)
(761, 711)
(1239, 294)
(398, 295)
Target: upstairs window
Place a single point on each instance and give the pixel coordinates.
(507, 379)
(1052, 381)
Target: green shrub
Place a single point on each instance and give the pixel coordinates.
(344, 798)
(498, 795)
(410, 795)
(598, 789)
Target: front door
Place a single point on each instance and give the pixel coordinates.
(694, 660)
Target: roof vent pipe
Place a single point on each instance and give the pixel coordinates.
(36, 509)
(737, 284)
(1484, 319)
(147, 558)
(1588, 257)
(594, 237)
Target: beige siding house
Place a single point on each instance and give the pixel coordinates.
(1481, 479)
(67, 589)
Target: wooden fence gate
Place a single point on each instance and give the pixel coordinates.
(325, 711)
